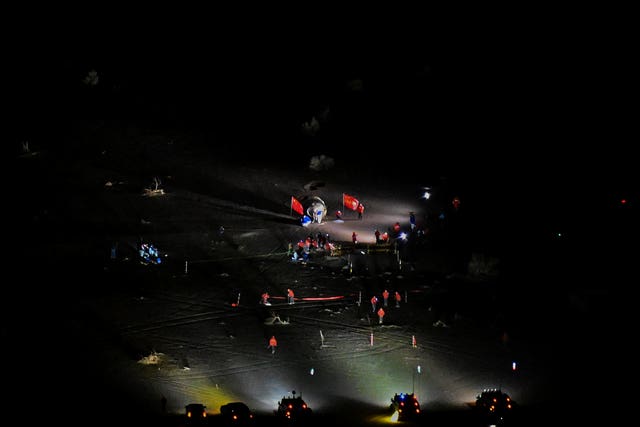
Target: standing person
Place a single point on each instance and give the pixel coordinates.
(456, 203)
(360, 210)
(380, 315)
(374, 301)
(398, 298)
(385, 297)
(290, 296)
(273, 343)
(412, 220)
(377, 233)
(354, 238)
(265, 298)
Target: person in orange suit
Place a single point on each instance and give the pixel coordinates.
(273, 343)
(265, 298)
(385, 297)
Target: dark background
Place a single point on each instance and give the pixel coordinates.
(526, 113)
(541, 99)
(529, 118)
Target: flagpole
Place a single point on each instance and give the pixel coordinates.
(291, 206)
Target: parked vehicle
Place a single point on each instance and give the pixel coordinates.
(406, 405)
(236, 414)
(495, 406)
(293, 407)
(196, 414)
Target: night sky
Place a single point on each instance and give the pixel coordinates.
(510, 94)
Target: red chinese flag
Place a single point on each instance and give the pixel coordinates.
(349, 202)
(296, 205)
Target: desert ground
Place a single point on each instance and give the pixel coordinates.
(93, 333)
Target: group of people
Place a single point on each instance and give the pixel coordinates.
(264, 298)
(273, 343)
(385, 303)
(303, 249)
(383, 237)
(385, 299)
(149, 253)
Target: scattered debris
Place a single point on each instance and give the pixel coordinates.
(185, 365)
(148, 192)
(92, 78)
(156, 190)
(274, 319)
(154, 358)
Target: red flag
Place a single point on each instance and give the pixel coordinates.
(349, 202)
(296, 205)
